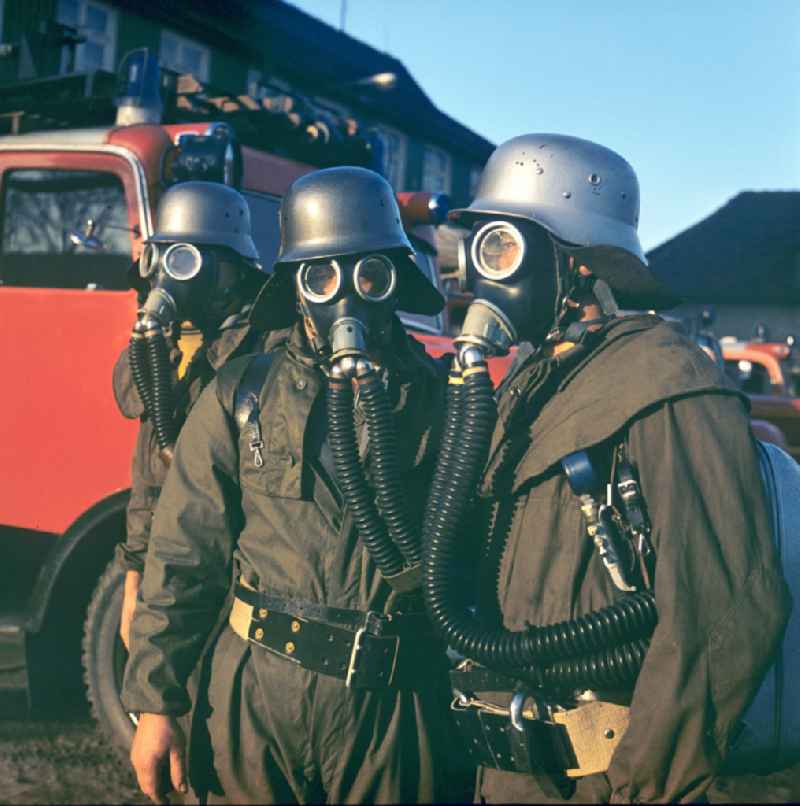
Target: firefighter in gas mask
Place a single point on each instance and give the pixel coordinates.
(301, 473)
(626, 599)
(200, 266)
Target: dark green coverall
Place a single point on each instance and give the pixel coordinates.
(722, 602)
(277, 732)
(148, 471)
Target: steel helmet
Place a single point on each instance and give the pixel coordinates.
(206, 213)
(335, 212)
(582, 193)
(339, 211)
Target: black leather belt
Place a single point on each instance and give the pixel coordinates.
(531, 735)
(366, 650)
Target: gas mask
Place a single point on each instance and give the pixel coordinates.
(186, 282)
(512, 267)
(350, 302)
(200, 284)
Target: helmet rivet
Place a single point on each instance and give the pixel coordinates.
(594, 179)
(623, 195)
(566, 194)
(539, 169)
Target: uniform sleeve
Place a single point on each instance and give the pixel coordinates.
(145, 488)
(722, 602)
(188, 567)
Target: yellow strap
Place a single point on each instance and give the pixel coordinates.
(455, 380)
(240, 618)
(562, 347)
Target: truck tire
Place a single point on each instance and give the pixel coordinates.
(104, 658)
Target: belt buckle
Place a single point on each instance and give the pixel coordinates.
(373, 625)
(529, 743)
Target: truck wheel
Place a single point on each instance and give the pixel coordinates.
(104, 659)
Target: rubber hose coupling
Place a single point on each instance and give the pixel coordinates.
(348, 337)
(160, 306)
(487, 327)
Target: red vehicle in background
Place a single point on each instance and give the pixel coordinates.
(77, 204)
(767, 373)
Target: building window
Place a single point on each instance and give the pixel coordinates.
(436, 170)
(184, 55)
(394, 156)
(474, 179)
(95, 22)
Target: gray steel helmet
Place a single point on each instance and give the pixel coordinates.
(206, 213)
(337, 212)
(585, 195)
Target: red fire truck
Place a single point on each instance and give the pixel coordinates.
(77, 204)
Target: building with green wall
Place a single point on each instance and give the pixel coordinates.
(243, 47)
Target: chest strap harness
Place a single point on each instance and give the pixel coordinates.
(366, 650)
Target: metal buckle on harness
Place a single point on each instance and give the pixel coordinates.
(516, 712)
(255, 447)
(373, 626)
(533, 744)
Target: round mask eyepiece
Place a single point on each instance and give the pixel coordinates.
(375, 278)
(182, 261)
(148, 260)
(319, 281)
(498, 250)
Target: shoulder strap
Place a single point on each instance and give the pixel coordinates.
(238, 391)
(249, 388)
(245, 411)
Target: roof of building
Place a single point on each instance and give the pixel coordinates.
(328, 52)
(747, 251)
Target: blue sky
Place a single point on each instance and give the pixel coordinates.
(703, 97)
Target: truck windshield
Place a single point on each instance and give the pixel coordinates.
(64, 229)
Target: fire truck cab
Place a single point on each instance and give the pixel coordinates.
(76, 205)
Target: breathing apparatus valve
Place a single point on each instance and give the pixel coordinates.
(159, 309)
(487, 327)
(348, 338)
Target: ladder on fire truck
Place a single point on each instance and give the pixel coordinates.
(282, 122)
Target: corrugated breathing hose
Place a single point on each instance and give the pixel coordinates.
(355, 490)
(602, 648)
